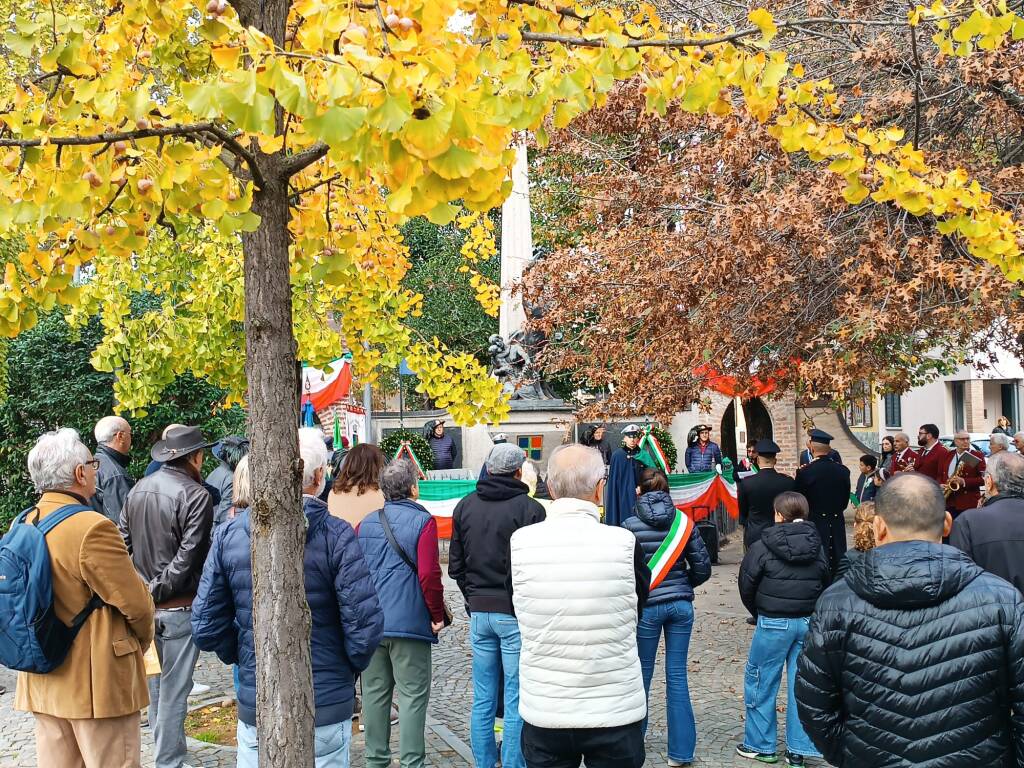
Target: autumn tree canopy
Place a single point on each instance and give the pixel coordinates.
(708, 248)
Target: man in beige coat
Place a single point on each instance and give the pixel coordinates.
(87, 710)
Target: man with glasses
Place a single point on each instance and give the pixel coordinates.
(87, 709)
(933, 456)
(962, 477)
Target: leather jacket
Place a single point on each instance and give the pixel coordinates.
(166, 523)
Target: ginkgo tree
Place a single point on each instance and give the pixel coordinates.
(250, 162)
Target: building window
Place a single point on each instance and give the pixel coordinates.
(858, 404)
(532, 445)
(959, 412)
(893, 411)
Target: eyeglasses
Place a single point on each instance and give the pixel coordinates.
(94, 463)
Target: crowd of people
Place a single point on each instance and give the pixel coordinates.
(902, 651)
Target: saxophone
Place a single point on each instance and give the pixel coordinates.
(948, 489)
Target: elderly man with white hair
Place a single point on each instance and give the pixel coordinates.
(87, 709)
(578, 589)
(113, 444)
(346, 617)
(997, 443)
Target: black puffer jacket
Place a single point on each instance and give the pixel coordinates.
(915, 658)
(784, 573)
(650, 524)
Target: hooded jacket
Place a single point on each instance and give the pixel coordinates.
(785, 572)
(482, 525)
(650, 524)
(346, 615)
(915, 658)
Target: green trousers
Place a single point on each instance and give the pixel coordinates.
(401, 664)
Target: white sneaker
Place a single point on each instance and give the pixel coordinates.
(198, 689)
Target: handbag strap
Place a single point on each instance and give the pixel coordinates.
(390, 536)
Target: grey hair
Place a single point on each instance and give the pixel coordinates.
(398, 479)
(574, 471)
(241, 494)
(313, 453)
(54, 458)
(529, 475)
(1020, 435)
(1007, 472)
(1000, 439)
(108, 427)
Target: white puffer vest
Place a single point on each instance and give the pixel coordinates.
(574, 592)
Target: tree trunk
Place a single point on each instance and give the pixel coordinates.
(281, 621)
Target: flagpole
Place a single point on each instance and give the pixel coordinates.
(401, 400)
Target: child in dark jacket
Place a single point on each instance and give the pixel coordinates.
(781, 577)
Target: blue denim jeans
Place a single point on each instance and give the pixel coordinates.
(776, 642)
(496, 645)
(676, 619)
(330, 743)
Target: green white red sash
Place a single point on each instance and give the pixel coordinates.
(671, 548)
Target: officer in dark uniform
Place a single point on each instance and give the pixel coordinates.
(826, 485)
(756, 493)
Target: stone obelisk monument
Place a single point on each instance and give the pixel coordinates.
(516, 245)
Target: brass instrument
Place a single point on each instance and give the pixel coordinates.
(966, 460)
(948, 489)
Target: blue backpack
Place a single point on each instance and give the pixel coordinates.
(32, 638)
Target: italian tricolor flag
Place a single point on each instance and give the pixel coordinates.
(696, 495)
(671, 548)
(699, 493)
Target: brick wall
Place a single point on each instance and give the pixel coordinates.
(974, 397)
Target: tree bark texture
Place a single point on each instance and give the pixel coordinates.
(281, 619)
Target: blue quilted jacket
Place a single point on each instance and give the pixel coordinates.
(650, 524)
(347, 619)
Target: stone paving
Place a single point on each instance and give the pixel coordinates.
(718, 652)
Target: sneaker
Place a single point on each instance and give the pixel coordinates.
(198, 689)
(752, 754)
(794, 760)
(677, 764)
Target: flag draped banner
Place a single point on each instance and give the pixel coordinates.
(695, 494)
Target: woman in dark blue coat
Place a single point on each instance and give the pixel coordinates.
(669, 608)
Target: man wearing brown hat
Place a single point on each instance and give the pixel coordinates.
(166, 523)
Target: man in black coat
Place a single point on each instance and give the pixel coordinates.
(993, 535)
(916, 656)
(756, 493)
(826, 485)
(479, 561)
